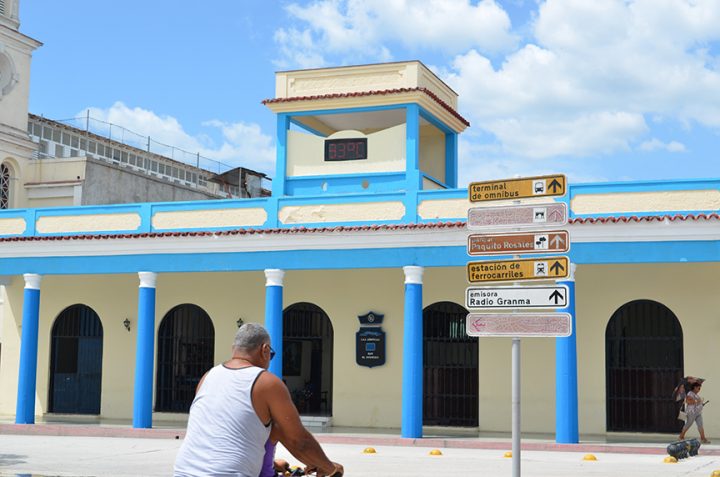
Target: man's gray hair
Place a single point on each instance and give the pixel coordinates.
(250, 336)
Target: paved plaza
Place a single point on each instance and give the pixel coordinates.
(82, 455)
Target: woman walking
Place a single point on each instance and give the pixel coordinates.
(694, 407)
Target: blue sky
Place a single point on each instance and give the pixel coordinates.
(602, 91)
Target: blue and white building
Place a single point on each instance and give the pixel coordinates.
(116, 311)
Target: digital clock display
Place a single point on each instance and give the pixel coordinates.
(345, 149)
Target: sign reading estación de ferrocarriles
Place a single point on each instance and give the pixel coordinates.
(490, 218)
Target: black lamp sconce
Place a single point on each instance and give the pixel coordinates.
(240, 322)
(126, 324)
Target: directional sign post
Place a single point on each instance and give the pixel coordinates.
(552, 241)
(519, 216)
(510, 189)
(537, 215)
(518, 270)
(504, 297)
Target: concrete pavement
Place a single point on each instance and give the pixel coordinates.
(100, 451)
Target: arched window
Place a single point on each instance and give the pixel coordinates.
(5, 186)
(76, 349)
(450, 368)
(186, 348)
(308, 358)
(644, 363)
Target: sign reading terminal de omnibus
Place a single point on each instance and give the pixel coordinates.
(508, 189)
(549, 268)
(552, 241)
(519, 324)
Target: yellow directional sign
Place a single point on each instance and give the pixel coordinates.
(548, 268)
(540, 186)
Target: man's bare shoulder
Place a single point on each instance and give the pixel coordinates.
(268, 381)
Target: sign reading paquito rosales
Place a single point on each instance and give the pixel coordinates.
(508, 189)
(552, 241)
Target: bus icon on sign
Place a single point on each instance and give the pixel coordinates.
(539, 187)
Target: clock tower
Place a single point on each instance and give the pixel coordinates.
(386, 129)
(16, 148)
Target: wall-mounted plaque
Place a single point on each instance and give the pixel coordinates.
(370, 340)
(370, 347)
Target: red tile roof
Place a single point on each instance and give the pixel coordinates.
(371, 93)
(352, 228)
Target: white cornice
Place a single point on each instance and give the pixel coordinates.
(32, 281)
(668, 231)
(274, 277)
(147, 279)
(413, 274)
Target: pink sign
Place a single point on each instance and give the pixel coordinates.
(519, 324)
(536, 215)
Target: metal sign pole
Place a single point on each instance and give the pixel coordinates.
(516, 407)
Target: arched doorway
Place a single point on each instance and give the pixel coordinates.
(5, 186)
(450, 368)
(644, 362)
(308, 358)
(186, 349)
(76, 347)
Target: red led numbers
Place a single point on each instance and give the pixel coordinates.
(345, 149)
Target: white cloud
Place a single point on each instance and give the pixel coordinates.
(360, 30)
(657, 145)
(591, 74)
(240, 144)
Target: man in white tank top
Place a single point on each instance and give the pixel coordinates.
(236, 406)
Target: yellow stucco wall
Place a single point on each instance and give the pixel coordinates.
(646, 201)
(303, 214)
(432, 152)
(87, 223)
(386, 153)
(209, 218)
(365, 397)
(688, 290)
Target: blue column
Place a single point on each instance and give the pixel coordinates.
(281, 133)
(274, 316)
(145, 352)
(566, 386)
(412, 377)
(25, 410)
(413, 179)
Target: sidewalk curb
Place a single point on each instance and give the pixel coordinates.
(360, 440)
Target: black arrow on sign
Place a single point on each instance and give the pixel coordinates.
(554, 185)
(556, 267)
(557, 296)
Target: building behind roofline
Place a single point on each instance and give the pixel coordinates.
(365, 218)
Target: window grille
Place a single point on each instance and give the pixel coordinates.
(308, 358)
(450, 368)
(2, 7)
(4, 186)
(76, 362)
(644, 363)
(186, 348)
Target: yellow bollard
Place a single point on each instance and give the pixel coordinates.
(369, 450)
(508, 454)
(670, 460)
(589, 457)
(435, 452)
